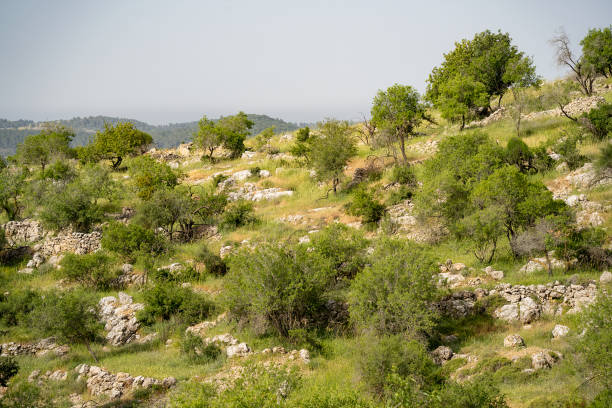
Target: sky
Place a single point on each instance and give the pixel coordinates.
(174, 61)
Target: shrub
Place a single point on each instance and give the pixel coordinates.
(595, 345)
(149, 175)
(91, 270)
(603, 399)
(214, 263)
(400, 194)
(392, 295)
(604, 159)
(364, 205)
(331, 398)
(218, 179)
(404, 175)
(380, 357)
(479, 393)
(255, 171)
(70, 205)
(166, 300)
(185, 274)
(8, 369)
(541, 160)
(24, 394)
(519, 155)
(15, 306)
(238, 214)
(278, 287)
(567, 148)
(599, 121)
(196, 351)
(131, 240)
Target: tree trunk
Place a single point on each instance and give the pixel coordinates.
(335, 184)
(462, 122)
(499, 101)
(403, 149)
(116, 162)
(548, 263)
(92, 353)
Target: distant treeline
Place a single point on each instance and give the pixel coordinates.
(164, 136)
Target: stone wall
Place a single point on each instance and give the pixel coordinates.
(23, 232)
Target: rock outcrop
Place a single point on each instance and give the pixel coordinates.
(514, 340)
(23, 232)
(119, 316)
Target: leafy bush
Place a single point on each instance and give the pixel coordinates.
(15, 306)
(567, 147)
(238, 214)
(194, 348)
(364, 205)
(214, 263)
(480, 393)
(595, 345)
(131, 240)
(25, 394)
(603, 399)
(59, 170)
(331, 398)
(255, 171)
(518, 154)
(91, 270)
(404, 175)
(278, 287)
(392, 295)
(394, 354)
(165, 300)
(185, 274)
(604, 160)
(600, 121)
(149, 175)
(218, 179)
(541, 160)
(8, 369)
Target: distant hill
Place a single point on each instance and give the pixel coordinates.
(164, 136)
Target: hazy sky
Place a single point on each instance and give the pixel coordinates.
(172, 61)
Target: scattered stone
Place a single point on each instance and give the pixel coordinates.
(304, 355)
(442, 354)
(497, 275)
(237, 350)
(514, 340)
(606, 277)
(23, 232)
(458, 304)
(560, 331)
(225, 251)
(41, 348)
(120, 318)
(542, 359)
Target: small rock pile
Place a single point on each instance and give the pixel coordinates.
(43, 347)
(249, 192)
(457, 305)
(428, 147)
(103, 382)
(119, 316)
(129, 277)
(57, 375)
(527, 303)
(540, 264)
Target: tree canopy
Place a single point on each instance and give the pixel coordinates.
(114, 143)
(597, 50)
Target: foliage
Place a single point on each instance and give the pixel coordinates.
(483, 227)
(302, 146)
(275, 286)
(165, 300)
(567, 148)
(404, 175)
(604, 159)
(332, 150)
(8, 369)
(238, 214)
(59, 170)
(116, 142)
(459, 98)
(582, 71)
(487, 59)
(50, 144)
(597, 50)
(91, 270)
(208, 136)
(263, 138)
(603, 399)
(25, 394)
(234, 130)
(365, 206)
(71, 316)
(130, 240)
(15, 307)
(387, 355)
(519, 155)
(599, 121)
(480, 393)
(214, 263)
(397, 112)
(150, 175)
(392, 295)
(12, 187)
(196, 351)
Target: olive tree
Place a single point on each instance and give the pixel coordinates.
(115, 143)
(331, 151)
(398, 111)
(51, 143)
(597, 50)
(208, 137)
(459, 98)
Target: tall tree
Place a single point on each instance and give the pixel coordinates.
(398, 111)
(485, 58)
(51, 143)
(208, 137)
(597, 50)
(459, 98)
(235, 130)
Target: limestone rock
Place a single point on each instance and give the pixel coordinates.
(237, 350)
(606, 277)
(514, 340)
(442, 354)
(542, 359)
(560, 331)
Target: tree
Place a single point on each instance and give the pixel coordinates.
(521, 75)
(165, 209)
(332, 150)
(595, 345)
(90, 270)
(486, 59)
(303, 144)
(149, 175)
(483, 227)
(264, 137)
(459, 98)
(560, 93)
(235, 130)
(51, 143)
(114, 143)
(542, 237)
(71, 316)
(582, 70)
(208, 137)
(519, 155)
(518, 200)
(398, 110)
(392, 295)
(597, 50)
(12, 187)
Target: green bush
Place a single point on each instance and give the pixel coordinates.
(282, 288)
(215, 265)
(131, 240)
(400, 194)
(149, 175)
(196, 351)
(8, 369)
(331, 398)
(238, 214)
(165, 300)
(567, 147)
(603, 399)
(185, 274)
(392, 295)
(25, 394)
(558, 401)
(58, 171)
(541, 160)
(365, 206)
(600, 121)
(92, 270)
(604, 159)
(595, 345)
(255, 171)
(70, 205)
(219, 178)
(340, 249)
(404, 175)
(518, 154)
(383, 356)
(15, 306)
(479, 393)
